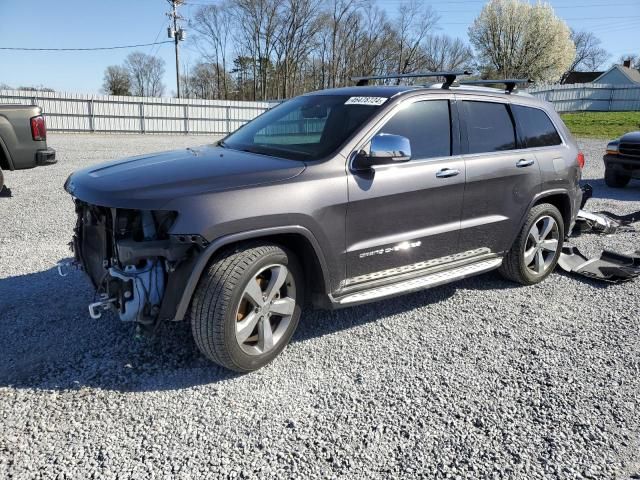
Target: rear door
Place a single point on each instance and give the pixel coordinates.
(400, 216)
(540, 137)
(502, 177)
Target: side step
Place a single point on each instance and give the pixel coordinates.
(419, 283)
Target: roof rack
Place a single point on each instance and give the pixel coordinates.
(509, 83)
(448, 76)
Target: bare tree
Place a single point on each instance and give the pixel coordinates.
(589, 54)
(294, 40)
(214, 25)
(257, 22)
(203, 81)
(116, 81)
(35, 88)
(515, 38)
(413, 24)
(442, 52)
(341, 18)
(282, 48)
(145, 73)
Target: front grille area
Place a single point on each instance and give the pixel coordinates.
(630, 149)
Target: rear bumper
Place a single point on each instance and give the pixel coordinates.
(46, 157)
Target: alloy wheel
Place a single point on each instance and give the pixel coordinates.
(265, 310)
(542, 245)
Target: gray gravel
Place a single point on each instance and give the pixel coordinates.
(479, 379)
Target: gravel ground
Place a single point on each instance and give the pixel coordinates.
(479, 379)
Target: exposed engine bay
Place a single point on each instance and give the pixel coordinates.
(129, 257)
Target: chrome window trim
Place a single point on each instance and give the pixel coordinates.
(508, 101)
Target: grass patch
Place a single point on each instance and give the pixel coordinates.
(608, 125)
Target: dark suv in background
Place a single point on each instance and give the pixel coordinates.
(331, 199)
(622, 160)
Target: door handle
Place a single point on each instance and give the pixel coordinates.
(447, 172)
(524, 162)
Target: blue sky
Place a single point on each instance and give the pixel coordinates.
(84, 23)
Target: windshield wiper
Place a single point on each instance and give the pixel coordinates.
(222, 144)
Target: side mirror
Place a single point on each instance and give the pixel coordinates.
(385, 149)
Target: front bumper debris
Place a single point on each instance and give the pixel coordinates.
(608, 266)
(596, 223)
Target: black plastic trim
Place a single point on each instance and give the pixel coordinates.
(204, 258)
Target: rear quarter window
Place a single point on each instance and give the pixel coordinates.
(536, 127)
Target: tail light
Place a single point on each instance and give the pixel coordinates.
(580, 159)
(38, 128)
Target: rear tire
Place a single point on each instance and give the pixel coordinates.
(535, 253)
(247, 305)
(615, 179)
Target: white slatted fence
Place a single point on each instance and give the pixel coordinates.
(70, 112)
(592, 97)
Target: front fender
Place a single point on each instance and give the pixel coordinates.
(205, 257)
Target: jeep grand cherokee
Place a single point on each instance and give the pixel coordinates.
(331, 199)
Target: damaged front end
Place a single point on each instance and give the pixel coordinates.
(135, 265)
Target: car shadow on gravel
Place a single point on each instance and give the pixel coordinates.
(49, 342)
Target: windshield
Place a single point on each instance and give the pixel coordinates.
(304, 128)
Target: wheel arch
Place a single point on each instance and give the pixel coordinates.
(558, 198)
(5, 158)
(296, 238)
(562, 202)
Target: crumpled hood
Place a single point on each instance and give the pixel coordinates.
(150, 181)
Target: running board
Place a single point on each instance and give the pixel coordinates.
(420, 283)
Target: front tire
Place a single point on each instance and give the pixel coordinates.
(247, 306)
(535, 252)
(615, 179)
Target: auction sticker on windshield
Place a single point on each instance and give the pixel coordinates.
(366, 101)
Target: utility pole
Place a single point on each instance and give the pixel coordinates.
(178, 34)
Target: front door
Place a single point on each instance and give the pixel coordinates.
(401, 216)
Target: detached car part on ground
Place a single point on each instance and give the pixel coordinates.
(622, 160)
(608, 266)
(331, 199)
(23, 139)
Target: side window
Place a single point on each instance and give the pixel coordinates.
(537, 128)
(427, 125)
(489, 127)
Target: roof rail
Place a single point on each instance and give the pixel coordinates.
(448, 76)
(509, 83)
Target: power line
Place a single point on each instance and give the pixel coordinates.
(25, 49)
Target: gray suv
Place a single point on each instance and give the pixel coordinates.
(331, 199)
